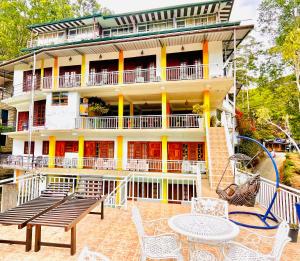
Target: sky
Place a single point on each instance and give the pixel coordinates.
(243, 9)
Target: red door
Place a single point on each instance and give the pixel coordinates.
(60, 148)
(106, 149)
(174, 156)
(89, 149)
(23, 118)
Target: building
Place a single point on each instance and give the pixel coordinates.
(147, 69)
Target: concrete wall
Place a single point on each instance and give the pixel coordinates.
(62, 116)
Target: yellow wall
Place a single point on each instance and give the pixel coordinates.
(83, 66)
(119, 152)
(42, 72)
(121, 67)
(55, 73)
(206, 108)
(52, 143)
(163, 62)
(205, 60)
(164, 156)
(121, 110)
(164, 109)
(80, 151)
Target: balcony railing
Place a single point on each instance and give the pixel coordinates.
(103, 78)
(138, 165)
(174, 73)
(27, 84)
(69, 81)
(141, 76)
(140, 122)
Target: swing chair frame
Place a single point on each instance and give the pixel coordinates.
(268, 216)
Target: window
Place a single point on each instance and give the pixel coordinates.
(45, 150)
(39, 113)
(26, 148)
(2, 140)
(4, 117)
(180, 24)
(60, 98)
(106, 33)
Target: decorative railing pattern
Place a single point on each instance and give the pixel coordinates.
(141, 76)
(103, 78)
(69, 81)
(139, 122)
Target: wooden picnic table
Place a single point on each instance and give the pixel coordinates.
(67, 215)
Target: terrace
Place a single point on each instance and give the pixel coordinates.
(118, 240)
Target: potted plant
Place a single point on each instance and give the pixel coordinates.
(293, 233)
(198, 109)
(97, 107)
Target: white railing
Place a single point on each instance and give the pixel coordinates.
(227, 134)
(69, 81)
(284, 206)
(141, 76)
(186, 72)
(209, 156)
(48, 82)
(142, 122)
(139, 122)
(103, 78)
(96, 122)
(184, 121)
(173, 166)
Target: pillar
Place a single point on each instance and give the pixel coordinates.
(55, 73)
(164, 147)
(52, 143)
(121, 67)
(163, 63)
(131, 111)
(119, 152)
(83, 67)
(206, 108)
(164, 109)
(205, 60)
(80, 151)
(42, 73)
(120, 111)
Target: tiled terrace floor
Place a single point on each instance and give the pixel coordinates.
(115, 236)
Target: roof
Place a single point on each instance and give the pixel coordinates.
(224, 7)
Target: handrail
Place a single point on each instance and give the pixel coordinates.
(209, 158)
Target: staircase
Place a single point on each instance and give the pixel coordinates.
(218, 157)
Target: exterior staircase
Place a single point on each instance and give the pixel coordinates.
(218, 157)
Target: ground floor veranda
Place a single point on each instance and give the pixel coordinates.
(115, 236)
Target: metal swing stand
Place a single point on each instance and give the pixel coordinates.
(268, 216)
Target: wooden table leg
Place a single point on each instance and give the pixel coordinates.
(102, 210)
(38, 235)
(28, 238)
(73, 240)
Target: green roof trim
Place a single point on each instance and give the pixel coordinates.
(167, 8)
(175, 30)
(64, 20)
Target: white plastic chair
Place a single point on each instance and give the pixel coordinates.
(87, 255)
(237, 251)
(161, 246)
(210, 206)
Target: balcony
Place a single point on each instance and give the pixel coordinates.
(137, 165)
(140, 122)
(92, 32)
(175, 73)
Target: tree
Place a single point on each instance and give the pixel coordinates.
(86, 7)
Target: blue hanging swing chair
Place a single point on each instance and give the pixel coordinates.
(245, 194)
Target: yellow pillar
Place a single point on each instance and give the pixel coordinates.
(52, 143)
(164, 109)
(80, 151)
(205, 60)
(83, 66)
(163, 63)
(119, 152)
(206, 108)
(55, 73)
(164, 148)
(121, 67)
(120, 111)
(42, 73)
(131, 111)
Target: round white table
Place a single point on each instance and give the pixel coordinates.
(204, 228)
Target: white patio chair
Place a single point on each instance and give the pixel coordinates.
(161, 246)
(87, 255)
(237, 251)
(206, 206)
(210, 206)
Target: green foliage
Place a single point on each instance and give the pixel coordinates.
(198, 109)
(288, 172)
(98, 106)
(86, 7)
